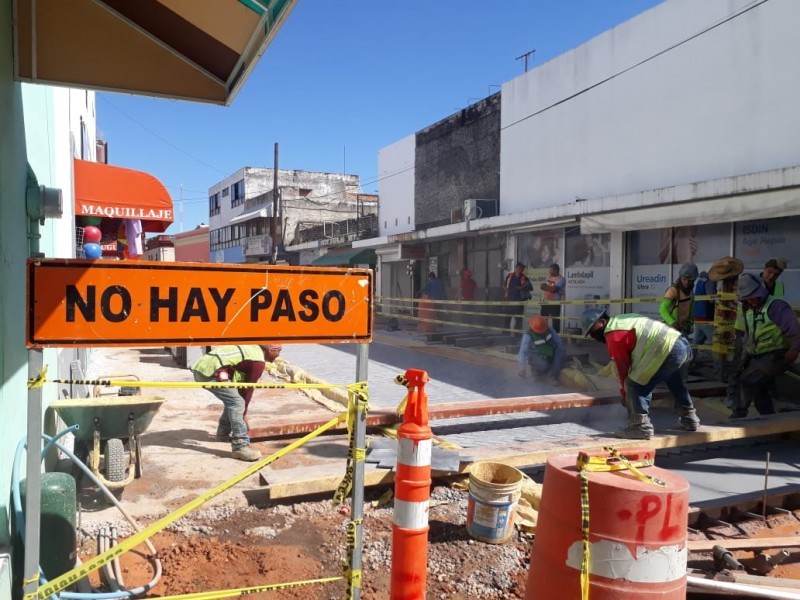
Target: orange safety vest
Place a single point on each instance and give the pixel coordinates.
(553, 295)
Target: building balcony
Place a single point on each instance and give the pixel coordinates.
(260, 245)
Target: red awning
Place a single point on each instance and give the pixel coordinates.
(113, 192)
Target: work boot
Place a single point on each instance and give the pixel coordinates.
(246, 453)
(639, 428)
(688, 419)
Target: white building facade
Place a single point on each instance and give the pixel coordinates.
(670, 138)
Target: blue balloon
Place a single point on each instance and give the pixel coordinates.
(92, 251)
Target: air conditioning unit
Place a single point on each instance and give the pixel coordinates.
(480, 209)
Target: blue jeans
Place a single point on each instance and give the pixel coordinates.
(541, 365)
(232, 418)
(638, 396)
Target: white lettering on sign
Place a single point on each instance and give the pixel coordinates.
(125, 212)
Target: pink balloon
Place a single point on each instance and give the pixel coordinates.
(91, 235)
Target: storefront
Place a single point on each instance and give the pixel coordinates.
(114, 208)
(655, 255)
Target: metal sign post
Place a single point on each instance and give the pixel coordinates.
(357, 496)
(33, 477)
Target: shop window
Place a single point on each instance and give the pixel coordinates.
(587, 270)
(655, 256)
(755, 242)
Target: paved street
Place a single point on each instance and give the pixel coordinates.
(454, 379)
(451, 379)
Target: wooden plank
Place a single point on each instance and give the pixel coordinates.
(381, 417)
(744, 544)
(537, 453)
(314, 479)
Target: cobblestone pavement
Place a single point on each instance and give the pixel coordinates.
(469, 376)
(452, 379)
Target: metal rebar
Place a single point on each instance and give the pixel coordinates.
(766, 483)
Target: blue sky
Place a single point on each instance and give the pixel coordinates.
(342, 80)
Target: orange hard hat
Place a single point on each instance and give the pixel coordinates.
(538, 324)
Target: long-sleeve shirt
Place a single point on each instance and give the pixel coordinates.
(434, 289)
(527, 347)
(783, 316)
(620, 346)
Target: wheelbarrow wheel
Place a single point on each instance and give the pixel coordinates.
(115, 460)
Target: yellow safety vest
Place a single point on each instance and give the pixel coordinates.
(654, 341)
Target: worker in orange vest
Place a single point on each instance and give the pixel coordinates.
(553, 288)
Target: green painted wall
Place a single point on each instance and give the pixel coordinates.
(26, 135)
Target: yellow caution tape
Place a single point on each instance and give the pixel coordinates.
(193, 384)
(585, 464)
(98, 561)
(357, 405)
(272, 587)
(38, 381)
(352, 575)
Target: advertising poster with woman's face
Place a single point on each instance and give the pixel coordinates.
(538, 250)
(656, 256)
(587, 270)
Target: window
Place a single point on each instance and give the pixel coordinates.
(237, 193)
(213, 204)
(225, 192)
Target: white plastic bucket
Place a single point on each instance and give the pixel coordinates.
(494, 490)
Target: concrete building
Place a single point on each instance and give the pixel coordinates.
(670, 138)
(241, 209)
(192, 246)
(160, 248)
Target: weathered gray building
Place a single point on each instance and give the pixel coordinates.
(458, 160)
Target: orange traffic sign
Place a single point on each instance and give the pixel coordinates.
(145, 303)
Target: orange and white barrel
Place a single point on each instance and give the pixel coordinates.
(637, 535)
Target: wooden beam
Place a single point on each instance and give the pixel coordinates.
(381, 417)
(744, 544)
(317, 479)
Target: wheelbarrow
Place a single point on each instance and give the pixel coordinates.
(112, 426)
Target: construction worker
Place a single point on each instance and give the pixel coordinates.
(239, 364)
(772, 270)
(646, 352)
(771, 345)
(541, 348)
(677, 307)
(553, 288)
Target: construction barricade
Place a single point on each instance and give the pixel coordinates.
(611, 527)
(355, 412)
(412, 494)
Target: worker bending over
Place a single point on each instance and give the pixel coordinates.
(646, 352)
(238, 364)
(771, 345)
(541, 348)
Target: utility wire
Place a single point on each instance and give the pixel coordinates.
(727, 19)
(160, 137)
(378, 178)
